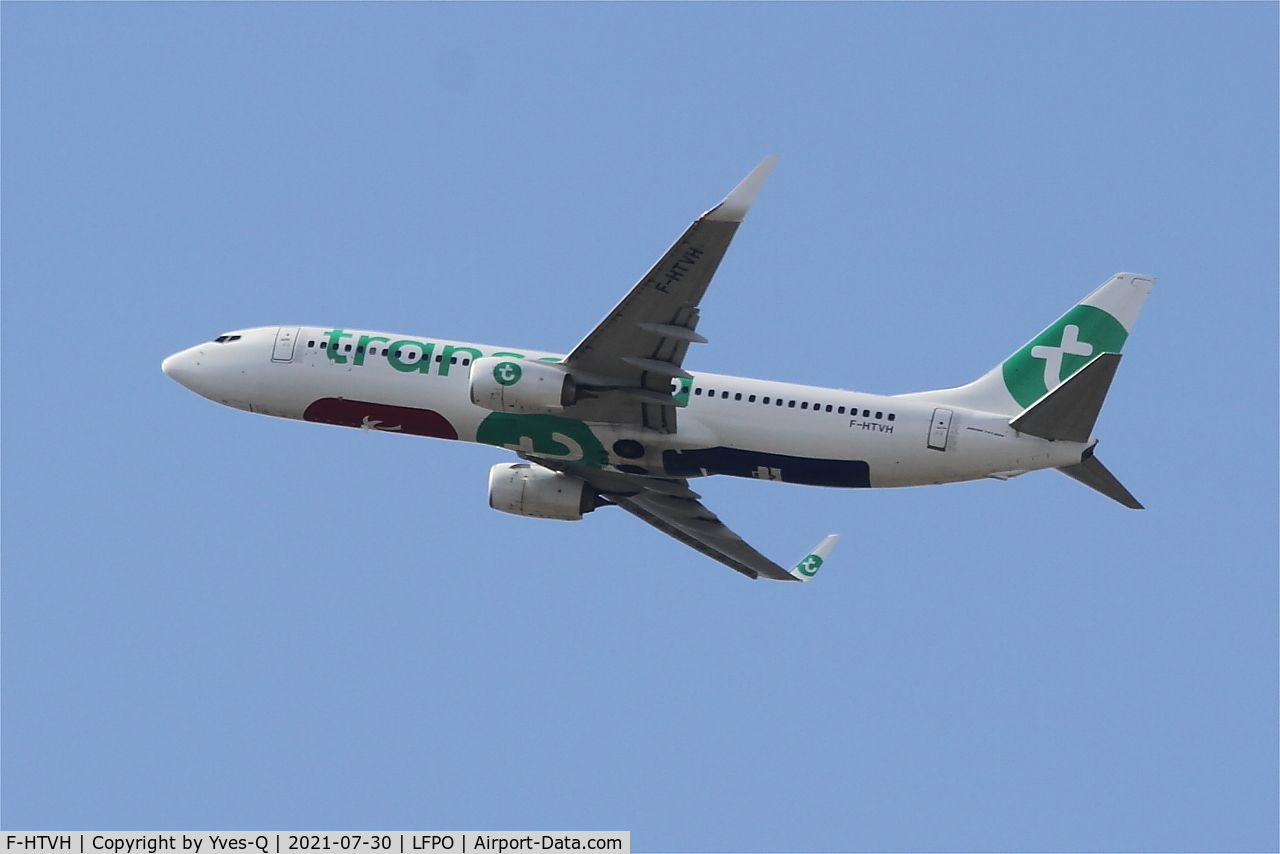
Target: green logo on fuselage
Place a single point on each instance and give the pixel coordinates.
(680, 390)
(406, 355)
(550, 436)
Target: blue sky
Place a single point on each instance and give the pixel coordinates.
(217, 620)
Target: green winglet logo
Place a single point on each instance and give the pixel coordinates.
(809, 566)
(1057, 353)
(507, 373)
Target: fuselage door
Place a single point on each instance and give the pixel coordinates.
(286, 337)
(940, 428)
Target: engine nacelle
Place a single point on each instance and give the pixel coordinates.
(520, 385)
(529, 490)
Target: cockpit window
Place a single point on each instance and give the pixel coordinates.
(224, 339)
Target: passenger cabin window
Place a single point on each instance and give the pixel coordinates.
(697, 391)
(738, 396)
(892, 416)
(752, 399)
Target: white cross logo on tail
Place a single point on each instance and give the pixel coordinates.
(1053, 355)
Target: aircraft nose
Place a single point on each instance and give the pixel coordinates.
(181, 367)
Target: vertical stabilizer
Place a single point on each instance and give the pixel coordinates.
(1100, 323)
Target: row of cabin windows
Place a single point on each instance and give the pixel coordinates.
(804, 404)
(453, 360)
(407, 355)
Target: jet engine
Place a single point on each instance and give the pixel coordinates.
(520, 385)
(525, 489)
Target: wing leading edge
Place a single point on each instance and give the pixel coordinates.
(690, 522)
(669, 505)
(627, 363)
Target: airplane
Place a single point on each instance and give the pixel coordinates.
(619, 421)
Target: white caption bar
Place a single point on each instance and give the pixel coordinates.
(276, 842)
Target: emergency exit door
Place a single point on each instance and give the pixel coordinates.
(286, 337)
(940, 429)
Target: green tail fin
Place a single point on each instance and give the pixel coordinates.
(1100, 323)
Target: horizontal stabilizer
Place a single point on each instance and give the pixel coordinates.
(1068, 412)
(1093, 474)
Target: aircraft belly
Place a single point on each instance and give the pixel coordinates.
(368, 398)
(770, 447)
(761, 465)
(374, 398)
(861, 452)
(980, 446)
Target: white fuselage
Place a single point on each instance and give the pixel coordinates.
(802, 434)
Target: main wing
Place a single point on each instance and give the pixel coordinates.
(626, 365)
(669, 505)
(625, 368)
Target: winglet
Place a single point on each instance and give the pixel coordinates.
(812, 562)
(734, 207)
